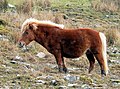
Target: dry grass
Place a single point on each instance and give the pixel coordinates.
(106, 5)
(28, 6)
(113, 36)
(25, 7)
(43, 3)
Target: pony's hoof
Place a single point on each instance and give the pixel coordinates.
(103, 73)
(63, 70)
(60, 69)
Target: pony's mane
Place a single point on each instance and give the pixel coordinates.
(44, 22)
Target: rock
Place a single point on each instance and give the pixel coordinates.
(4, 38)
(49, 77)
(85, 86)
(52, 65)
(13, 62)
(41, 55)
(107, 16)
(41, 77)
(73, 69)
(113, 50)
(65, 17)
(11, 6)
(72, 85)
(114, 61)
(75, 86)
(18, 58)
(62, 87)
(70, 78)
(25, 48)
(54, 82)
(115, 80)
(40, 81)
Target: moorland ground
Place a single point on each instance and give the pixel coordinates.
(25, 70)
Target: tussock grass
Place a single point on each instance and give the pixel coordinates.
(113, 36)
(106, 5)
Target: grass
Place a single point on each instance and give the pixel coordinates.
(15, 2)
(25, 73)
(70, 2)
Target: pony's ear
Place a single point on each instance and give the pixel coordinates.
(32, 26)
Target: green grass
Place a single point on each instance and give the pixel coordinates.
(15, 2)
(70, 2)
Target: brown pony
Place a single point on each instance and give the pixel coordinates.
(70, 43)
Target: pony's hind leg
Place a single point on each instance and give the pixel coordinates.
(91, 59)
(102, 63)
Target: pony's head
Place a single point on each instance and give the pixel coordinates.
(30, 26)
(27, 31)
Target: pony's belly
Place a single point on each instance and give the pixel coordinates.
(73, 54)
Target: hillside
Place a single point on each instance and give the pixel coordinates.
(36, 68)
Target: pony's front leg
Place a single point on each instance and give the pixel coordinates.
(60, 62)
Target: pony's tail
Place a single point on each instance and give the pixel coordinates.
(104, 53)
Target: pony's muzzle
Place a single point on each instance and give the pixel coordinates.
(21, 44)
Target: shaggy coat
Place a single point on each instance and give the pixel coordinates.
(70, 43)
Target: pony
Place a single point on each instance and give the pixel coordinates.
(69, 43)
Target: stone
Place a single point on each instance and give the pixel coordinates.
(72, 85)
(54, 82)
(70, 78)
(13, 62)
(115, 80)
(18, 58)
(41, 55)
(62, 87)
(85, 86)
(40, 81)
